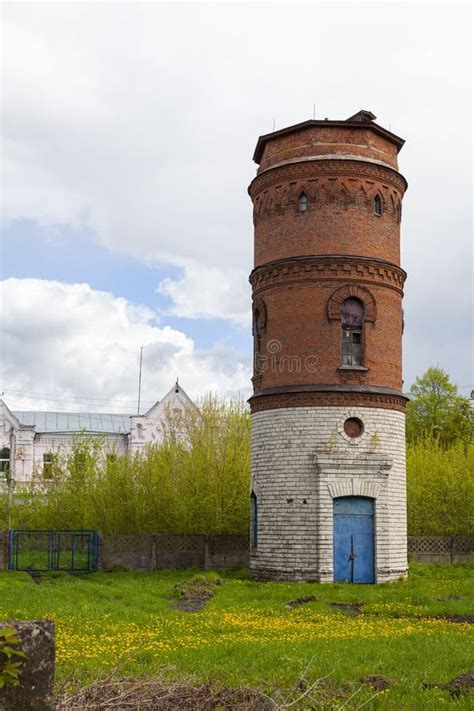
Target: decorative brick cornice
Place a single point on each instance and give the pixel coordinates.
(327, 268)
(315, 171)
(327, 398)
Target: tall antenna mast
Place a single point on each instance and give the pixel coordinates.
(314, 111)
(140, 380)
(273, 124)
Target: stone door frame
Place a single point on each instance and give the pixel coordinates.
(336, 476)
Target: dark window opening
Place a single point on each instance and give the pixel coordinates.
(258, 328)
(47, 465)
(351, 347)
(302, 203)
(378, 205)
(254, 521)
(4, 461)
(352, 328)
(256, 335)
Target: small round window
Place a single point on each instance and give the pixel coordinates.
(353, 427)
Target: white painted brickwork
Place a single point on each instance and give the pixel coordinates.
(301, 460)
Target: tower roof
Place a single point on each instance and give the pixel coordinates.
(363, 119)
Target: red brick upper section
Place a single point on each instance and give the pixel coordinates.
(319, 138)
(344, 243)
(340, 167)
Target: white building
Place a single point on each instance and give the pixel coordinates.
(28, 439)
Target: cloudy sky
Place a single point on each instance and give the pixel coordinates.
(128, 131)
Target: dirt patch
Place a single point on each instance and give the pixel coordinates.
(460, 619)
(191, 595)
(301, 601)
(462, 684)
(448, 598)
(349, 608)
(193, 603)
(376, 681)
(156, 695)
(36, 577)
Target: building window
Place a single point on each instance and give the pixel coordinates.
(378, 205)
(302, 203)
(254, 520)
(48, 465)
(352, 330)
(4, 462)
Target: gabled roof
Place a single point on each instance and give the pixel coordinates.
(11, 416)
(175, 394)
(361, 120)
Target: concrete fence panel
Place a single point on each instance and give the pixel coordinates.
(170, 551)
(132, 552)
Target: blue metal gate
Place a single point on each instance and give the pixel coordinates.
(36, 550)
(354, 540)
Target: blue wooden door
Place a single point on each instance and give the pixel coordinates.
(354, 540)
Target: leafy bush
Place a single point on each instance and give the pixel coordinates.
(11, 658)
(440, 488)
(196, 481)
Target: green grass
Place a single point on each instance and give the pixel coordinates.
(246, 635)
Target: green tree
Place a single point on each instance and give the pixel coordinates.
(440, 488)
(195, 481)
(436, 410)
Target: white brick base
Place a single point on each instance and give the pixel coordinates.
(301, 460)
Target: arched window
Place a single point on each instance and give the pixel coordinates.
(302, 203)
(352, 319)
(254, 519)
(139, 430)
(378, 205)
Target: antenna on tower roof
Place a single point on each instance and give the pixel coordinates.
(314, 111)
(140, 380)
(273, 124)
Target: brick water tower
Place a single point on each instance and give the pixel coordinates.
(328, 414)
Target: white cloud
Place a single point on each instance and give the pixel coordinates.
(139, 120)
(78, 348)
(207, 292)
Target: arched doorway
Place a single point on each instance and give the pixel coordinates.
(354, 554)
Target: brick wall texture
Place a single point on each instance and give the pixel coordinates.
(343, 243)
